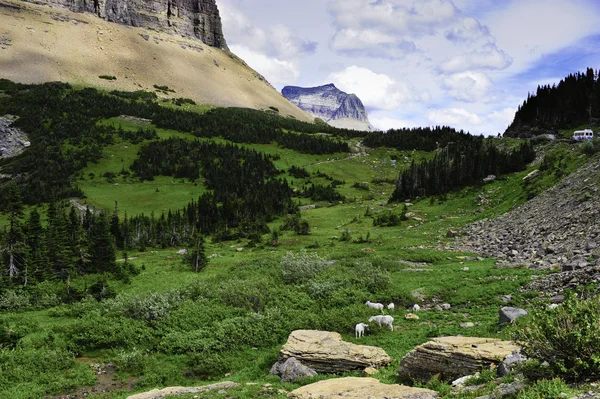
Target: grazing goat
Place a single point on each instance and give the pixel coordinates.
(391, 307)
(416, 308)
(383, 320)
(360, 330)
(378, 306)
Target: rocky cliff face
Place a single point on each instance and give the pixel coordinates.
(191, 18)
(330, 104)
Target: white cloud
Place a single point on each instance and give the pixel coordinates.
(377, 90)
(386, 123)
(387, 28)
(468, 29)
(460, 118)
(276, 41)
(491, 58)
(469, 86)
(274, 70)
(529, 29)
(454, 117)
(371, 42)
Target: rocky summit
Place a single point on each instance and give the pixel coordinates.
(330, 104)
(192, 18)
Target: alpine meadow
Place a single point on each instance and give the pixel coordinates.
(171, 226)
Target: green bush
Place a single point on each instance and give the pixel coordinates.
(298, 268)
(545, 389)
(14, 300)
(566, 337)
(370, 277)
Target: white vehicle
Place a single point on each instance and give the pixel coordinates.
(583, 135)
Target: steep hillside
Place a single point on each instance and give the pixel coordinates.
(574, 102)
(557, 229)
(40, 44)
(329, 103)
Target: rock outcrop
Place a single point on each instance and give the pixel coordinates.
(192, 18)
(326, 352)
(330, 104)
(172, 391)
(454, 357)
(508, 315)
(556, 230)
(359, 388)
(12, 140)
(291, 370)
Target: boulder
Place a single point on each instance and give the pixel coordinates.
(509, 315)
(411, 316)
(359, 388)
(291, 370)
(510, 363)
(172, 391)
(326, 352)
(454, 357)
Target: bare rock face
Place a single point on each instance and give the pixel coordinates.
(12, 140)
(329, 103)
(326, 352)
(359, 388)
(454, 357)
(191, 18)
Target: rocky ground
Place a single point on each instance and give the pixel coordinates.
(558, 230)
(12, 140)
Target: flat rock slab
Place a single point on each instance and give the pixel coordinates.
(359, 388)
(161, 393)
(326, 352)
(454, 357)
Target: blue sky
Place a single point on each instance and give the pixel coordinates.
(463, 63)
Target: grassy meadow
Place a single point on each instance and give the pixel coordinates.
(170, 326)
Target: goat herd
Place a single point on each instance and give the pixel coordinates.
(381, 320)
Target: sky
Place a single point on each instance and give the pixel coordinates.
(462, 63)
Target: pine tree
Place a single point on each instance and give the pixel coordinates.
(196, 256)
(102, 246)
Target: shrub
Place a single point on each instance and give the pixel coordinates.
(370, 277)
(298, 268)
(545, 389)
(12, 300)
(107, 77)
(566, 337)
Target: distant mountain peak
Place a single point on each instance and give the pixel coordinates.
(329, 103)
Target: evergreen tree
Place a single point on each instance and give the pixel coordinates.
(102, 246)
(196, 256)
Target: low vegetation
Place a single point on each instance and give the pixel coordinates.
(110, 284)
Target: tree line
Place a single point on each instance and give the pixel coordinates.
(573, 102)
(460, 165)
(65, 136)
(421, 139)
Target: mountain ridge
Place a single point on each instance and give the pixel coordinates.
(329, 103)
(40, 43)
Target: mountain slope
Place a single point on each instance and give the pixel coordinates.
(334, 106)
(40, 44)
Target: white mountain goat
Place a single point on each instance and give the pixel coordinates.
(359, 330)
(378, 306)
(391, 307)
(383, 320)
(416, 308)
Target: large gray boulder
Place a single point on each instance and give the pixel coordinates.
(291, 370)
(509, 315)
(326, 352)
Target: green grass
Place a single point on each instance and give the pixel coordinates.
(241, 268)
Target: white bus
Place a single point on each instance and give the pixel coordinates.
(583, 135)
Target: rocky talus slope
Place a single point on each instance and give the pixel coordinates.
(42, 43)
(192, 18)
(558, 229)
(330, 104)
